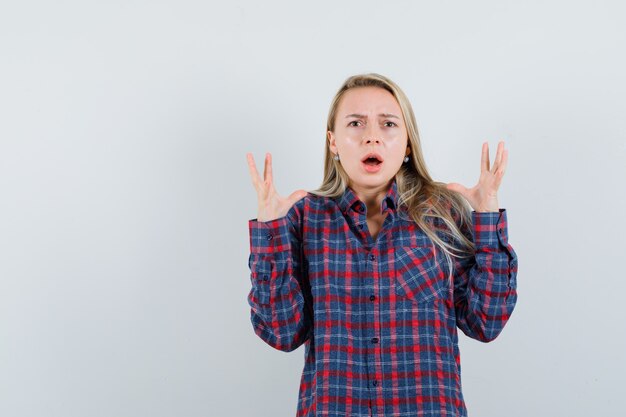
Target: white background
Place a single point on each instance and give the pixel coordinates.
(125, 194)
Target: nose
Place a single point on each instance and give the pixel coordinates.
(372, 139)
(372, 134)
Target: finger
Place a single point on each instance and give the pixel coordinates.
(267, 155)
(269, 177)
(484, 159)
(502, 167)
(498, 159)
(254, 174)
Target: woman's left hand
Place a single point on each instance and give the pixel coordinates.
(483, 196)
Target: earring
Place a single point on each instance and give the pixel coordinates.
(406, 159)
(336, 157)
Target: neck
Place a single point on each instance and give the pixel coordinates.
(371, 196)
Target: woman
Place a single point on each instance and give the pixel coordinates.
(374, 271)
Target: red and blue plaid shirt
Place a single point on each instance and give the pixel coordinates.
(378, 318)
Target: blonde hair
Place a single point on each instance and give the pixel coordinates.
(428, 203)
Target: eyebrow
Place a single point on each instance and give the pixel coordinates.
(362, 116)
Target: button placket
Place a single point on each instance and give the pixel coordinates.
(372, 268)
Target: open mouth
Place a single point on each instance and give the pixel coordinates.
(372, 159)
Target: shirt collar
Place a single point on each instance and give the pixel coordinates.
(348, 200)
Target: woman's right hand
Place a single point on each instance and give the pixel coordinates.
(271, 205)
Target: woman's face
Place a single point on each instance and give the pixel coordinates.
(369, 120)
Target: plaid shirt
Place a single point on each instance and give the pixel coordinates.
(378, 318)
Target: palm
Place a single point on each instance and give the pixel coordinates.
(483, 196)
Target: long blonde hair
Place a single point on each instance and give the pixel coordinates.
(428, 203)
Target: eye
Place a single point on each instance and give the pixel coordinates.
(354, 123)
(390, 124)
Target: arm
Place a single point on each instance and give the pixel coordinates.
(485, 285)
(279, 314)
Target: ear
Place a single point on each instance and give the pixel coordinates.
(408, 151)
(331, 142)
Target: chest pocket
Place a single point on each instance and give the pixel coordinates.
(418, 274)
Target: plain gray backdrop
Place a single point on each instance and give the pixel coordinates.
(125, 194)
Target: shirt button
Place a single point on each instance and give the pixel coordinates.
(372, 297)
(361, 226)
(265, 277)
(269, 236)
(374, 340)
(372, 257)
(375, 383)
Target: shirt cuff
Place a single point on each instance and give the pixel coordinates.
(490, 228)
(270, 236)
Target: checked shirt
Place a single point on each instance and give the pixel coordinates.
(378, 318)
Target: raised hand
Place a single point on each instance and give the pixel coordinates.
(271, 205)
(483, 196)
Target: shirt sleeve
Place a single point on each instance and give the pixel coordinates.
(279, 314)
(485, 285)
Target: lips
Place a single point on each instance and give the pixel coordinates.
(372, 162)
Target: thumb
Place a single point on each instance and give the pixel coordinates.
(297, 196)
(454, 186)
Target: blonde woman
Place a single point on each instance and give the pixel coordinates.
(376, 269)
